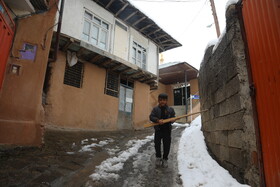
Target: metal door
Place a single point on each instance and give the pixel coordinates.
(6, 38)
(262, 26)
(125, 107)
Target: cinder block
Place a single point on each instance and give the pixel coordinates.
(216, 110)
(221, 123)
(224, 108)
(224, 152)
(232, 87)
(215, 150)
(235, 138)
(215, 137)
(223, 138)
(220, 95)
(234, 103)
(235, 121)
(231, 70)
(236, 157)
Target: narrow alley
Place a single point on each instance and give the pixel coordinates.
(70, 159)
(83, 81)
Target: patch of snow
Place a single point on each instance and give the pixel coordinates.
(70, 153)
(113, 151)
(165, 65)
(85, 141)
(180, 124)
(196, 166)
(104, 142)
(211, 43)
(231, 2)
(90, 146)
(219, 40)
(107, 168)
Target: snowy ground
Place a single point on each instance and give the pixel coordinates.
(196, 166)
(190, 165)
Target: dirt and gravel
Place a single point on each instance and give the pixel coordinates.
(60, 162)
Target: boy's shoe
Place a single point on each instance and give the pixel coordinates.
(164, 163)
(158, 162)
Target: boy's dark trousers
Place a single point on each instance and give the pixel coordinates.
(164, 135)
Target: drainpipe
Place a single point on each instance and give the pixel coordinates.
(186, 92)
(56, 47)
(253, 98)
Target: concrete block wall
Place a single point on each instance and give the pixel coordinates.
(228, 124)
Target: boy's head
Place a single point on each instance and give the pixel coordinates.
(162, 99)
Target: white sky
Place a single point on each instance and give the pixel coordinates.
(186, 22)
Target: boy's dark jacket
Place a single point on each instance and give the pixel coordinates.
(156, 115)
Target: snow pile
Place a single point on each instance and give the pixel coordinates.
(195, 164)
(108, 167)
(86, 148)
(180, 124)
(112, 152)
(165, 65)
(219, 41)
(231, 2)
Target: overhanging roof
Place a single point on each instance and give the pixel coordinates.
(172, 73)
(125, 11)
(29, 5)
(91, 54)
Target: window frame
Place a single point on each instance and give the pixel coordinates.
(101, 25)
(139, 55)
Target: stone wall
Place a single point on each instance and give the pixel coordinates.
(228, 125)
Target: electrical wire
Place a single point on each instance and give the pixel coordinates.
(194, 18)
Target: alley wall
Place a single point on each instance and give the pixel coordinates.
(21, 112)
(228, 125)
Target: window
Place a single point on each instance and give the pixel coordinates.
(112, 84)
(74, 75)
(139, 55)
(95, 31)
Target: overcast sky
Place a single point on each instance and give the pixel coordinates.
(190, 22)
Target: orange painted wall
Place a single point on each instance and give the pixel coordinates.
(87, 107)
(153, 99)
(141, 108)
(195, 102)
(21, 113)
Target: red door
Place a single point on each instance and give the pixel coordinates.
(262, 26)
(6, 38)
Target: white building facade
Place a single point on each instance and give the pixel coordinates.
(89, 22)
(103, 66)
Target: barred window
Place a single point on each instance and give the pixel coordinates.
(74, 75)
(112, 84)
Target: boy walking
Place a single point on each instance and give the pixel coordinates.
(163, 130)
